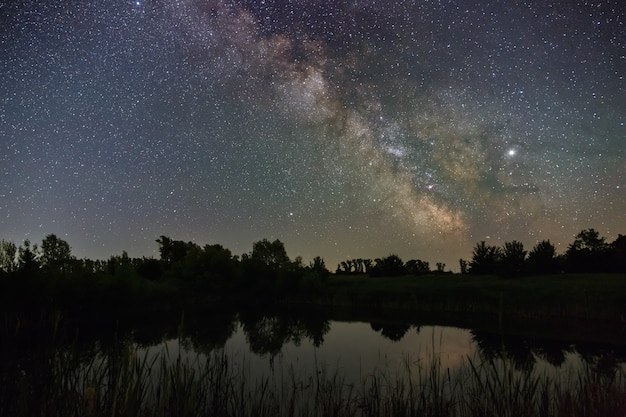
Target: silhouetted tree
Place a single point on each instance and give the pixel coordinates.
(511, 260)
(417, 267)
(120, 266)
(150, 269)
(354, 266)
(617, 250)
(440, 267)
(271, 254)
(342, 268)
(484, 259)
(28, 258)
(172, 251)
(589, 239)
(219, 260)
(367, 265)
(319, 267)
(588, 253)
(389, 266)
(56, 254)
(8, 256)
(542, 259)
(463, 265)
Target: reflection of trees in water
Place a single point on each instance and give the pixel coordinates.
(524, 351)
(392, 331)
(206, 334)
(266, 334)
(495, 346)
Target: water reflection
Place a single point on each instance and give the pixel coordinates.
(267, 334)
(525, 352)
(392, 331)
(356, 346)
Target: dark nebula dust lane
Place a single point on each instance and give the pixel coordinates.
(343, 128)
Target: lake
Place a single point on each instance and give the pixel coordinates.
(357, 348)
(239, 362)
(354, 349)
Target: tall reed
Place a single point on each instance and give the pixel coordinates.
(127, 381)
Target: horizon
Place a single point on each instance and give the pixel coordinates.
(331, 266)
(345, 130)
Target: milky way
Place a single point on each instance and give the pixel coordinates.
(344, 128)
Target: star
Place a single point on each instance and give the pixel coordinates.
(418, 125)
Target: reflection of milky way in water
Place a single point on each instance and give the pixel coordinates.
(343, 130)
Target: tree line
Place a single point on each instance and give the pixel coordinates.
(588, 253)
(49, 274)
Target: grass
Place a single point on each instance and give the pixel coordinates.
(573, 296)
(125, 382)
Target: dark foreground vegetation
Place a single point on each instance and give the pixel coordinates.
(588, 281)
(128, 382)
(124, 369)
(47, 295)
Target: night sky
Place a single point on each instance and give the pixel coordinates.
(346, 129)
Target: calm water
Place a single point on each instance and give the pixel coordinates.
(271, 345)
(305, 345)
(353, 349)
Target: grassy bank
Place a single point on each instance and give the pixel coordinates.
(572, 296)
(123, 382)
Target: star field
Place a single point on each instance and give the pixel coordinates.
(343, 128)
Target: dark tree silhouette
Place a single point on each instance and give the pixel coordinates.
(271, 254)
(56, 254)
(617, 250)
(150, 269)
(8, 256)
(484, 259)
(589, 239)
(588, 253)
(417, 267)
(28, 258)
(511, 260)
(173, 250)
(389, 266)
(318, 266)
(463, 265)
(542, 259)
(354, 266)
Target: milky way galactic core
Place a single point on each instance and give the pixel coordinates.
(345, 129)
